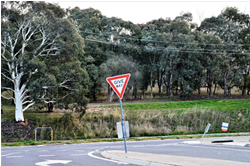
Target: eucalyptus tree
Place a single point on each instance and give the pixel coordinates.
(208, 54)
(243, 60)
(90, 26)
(151, 51)
(180, 54)
(31, 32)
(227, 26)
(103, 37)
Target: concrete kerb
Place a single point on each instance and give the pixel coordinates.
(108, 155)
(138, 158)
(235, 142)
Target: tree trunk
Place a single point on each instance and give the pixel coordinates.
(159, 85)
(111, 96)
(225, 85)
(182, 89)
(215, 85)
(176, 89)
(135, 92)
(151, 83)
(199, 83)
(171, 85)
(19, 106)
(50, 107)
(244, 86)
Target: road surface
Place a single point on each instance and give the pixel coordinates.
(89, 154)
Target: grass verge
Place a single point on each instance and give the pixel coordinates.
(33, 143)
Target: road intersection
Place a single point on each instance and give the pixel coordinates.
(161, 152)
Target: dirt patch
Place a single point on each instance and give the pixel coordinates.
(13, 131)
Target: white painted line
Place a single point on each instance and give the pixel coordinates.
(61, 150)
(80, 150)
(91, 155)
(48, 162)
(9, 154)
(13, 156)
(191, 142)
(78, 154)
(46, 155)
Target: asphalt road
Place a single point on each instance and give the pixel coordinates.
(88, 154)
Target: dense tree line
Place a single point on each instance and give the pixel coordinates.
(59, 57)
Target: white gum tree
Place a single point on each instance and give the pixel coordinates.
(25, 37)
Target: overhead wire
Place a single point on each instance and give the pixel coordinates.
(165, 48)
(144, 40)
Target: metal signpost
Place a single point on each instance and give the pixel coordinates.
(119, 84)
(206, 130)
(123, 127)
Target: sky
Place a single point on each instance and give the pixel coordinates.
(140, 12)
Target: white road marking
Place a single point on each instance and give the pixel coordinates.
(139, 146)
(91, 155)
(13, 156)
(61, 150)
(78, 154)
(10, 154)
(46, 155)
(48, 162)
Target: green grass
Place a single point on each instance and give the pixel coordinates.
(212, 104)
(145, 119)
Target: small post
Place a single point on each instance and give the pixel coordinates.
(35, 135)
(51, 134)
(206, 130)
(123, 127)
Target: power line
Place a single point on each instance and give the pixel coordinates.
(144, 40)
(164, 48)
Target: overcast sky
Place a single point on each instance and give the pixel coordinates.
(143, 11)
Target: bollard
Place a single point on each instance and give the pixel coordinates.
(51, 134)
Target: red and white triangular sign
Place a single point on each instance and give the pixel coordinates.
(119, 83)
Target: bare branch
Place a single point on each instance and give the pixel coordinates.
(49, 101)
(25, 98)
(27, 102)
(27, 90)
(7, 77)
(8, 98)
(8, 89)
(31, 104)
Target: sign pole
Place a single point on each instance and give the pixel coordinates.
(123, 127)
(119, 84)
(206, 130)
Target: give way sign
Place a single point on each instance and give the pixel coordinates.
(119, 83)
